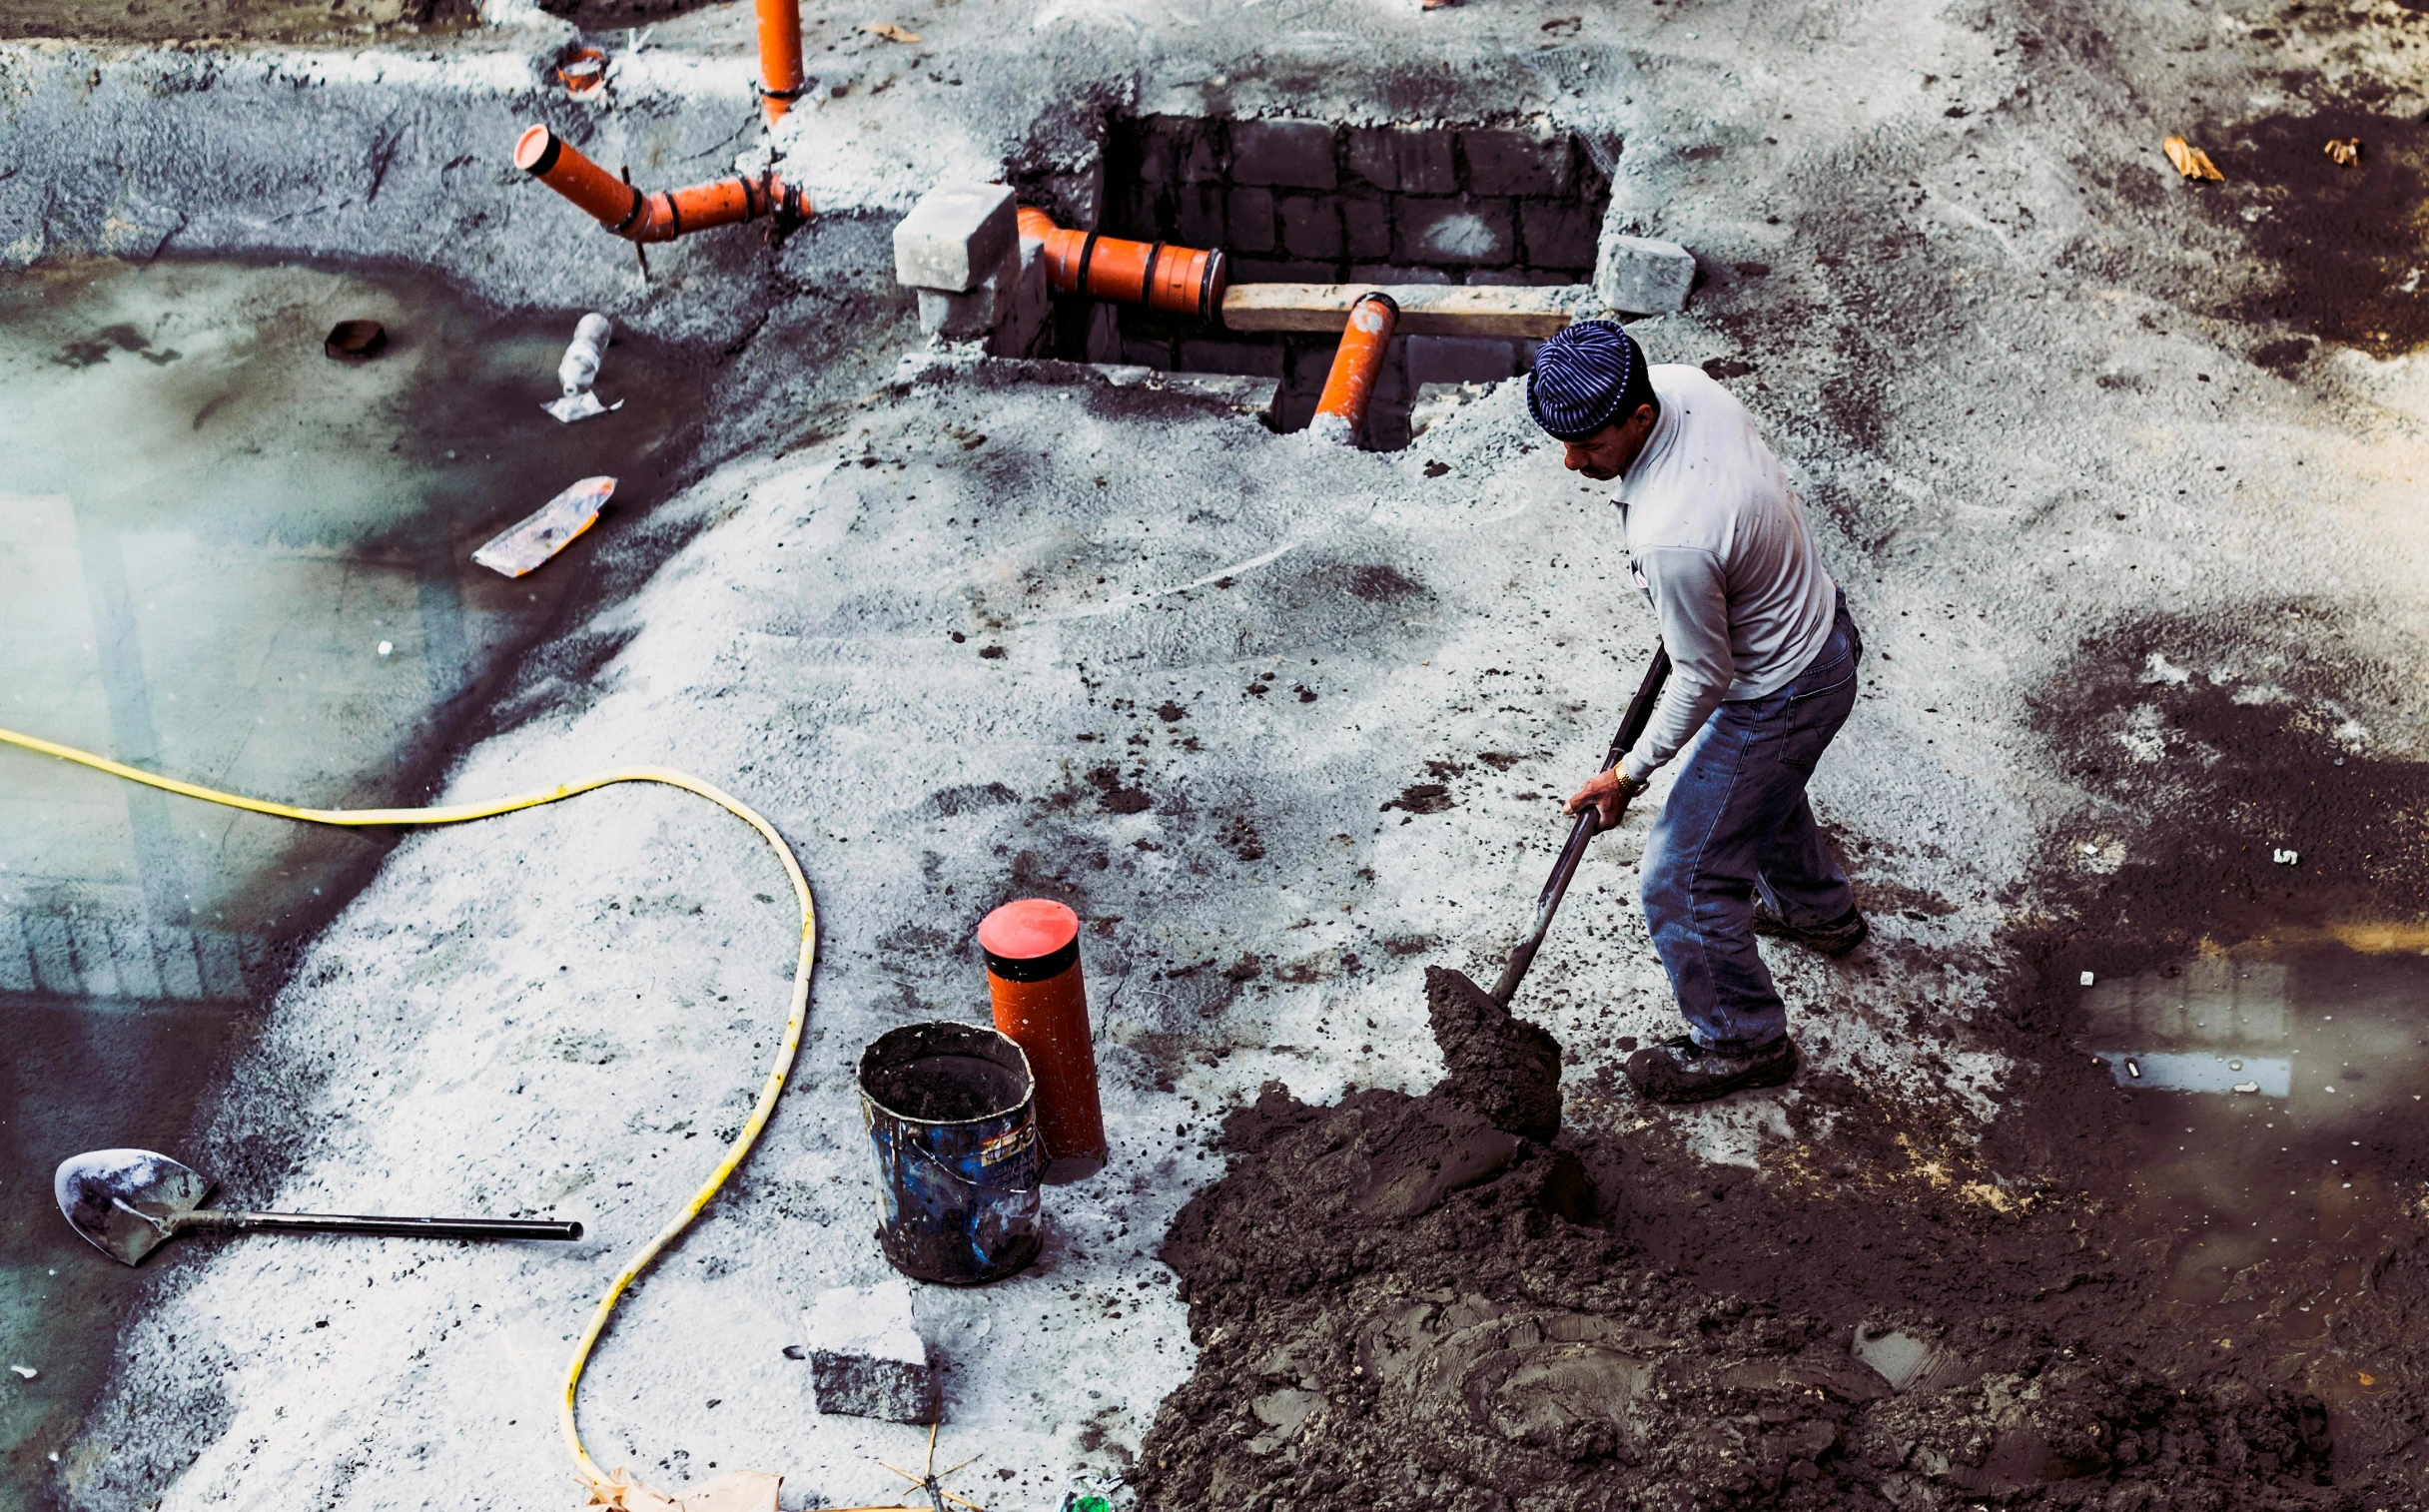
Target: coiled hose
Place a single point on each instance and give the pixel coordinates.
(796, 1020)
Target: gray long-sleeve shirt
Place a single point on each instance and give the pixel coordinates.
(1720, 545)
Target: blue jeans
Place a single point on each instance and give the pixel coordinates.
(1737, 823)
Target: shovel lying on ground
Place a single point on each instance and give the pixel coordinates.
(129, 1203)
(1590, 824)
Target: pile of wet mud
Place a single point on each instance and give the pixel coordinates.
(1416, 1301)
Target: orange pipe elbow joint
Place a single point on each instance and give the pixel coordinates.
(660, 217)
(780, 76)
(1174, 279)
(1340, 411)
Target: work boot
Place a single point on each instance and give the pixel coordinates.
(1681, 1071)
(1837, 938)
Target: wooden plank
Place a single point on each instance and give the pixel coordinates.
(1425, 309)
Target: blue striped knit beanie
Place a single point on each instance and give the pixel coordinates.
(1587, 375)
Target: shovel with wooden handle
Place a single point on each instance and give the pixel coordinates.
(1590, 824)
(129, 1203)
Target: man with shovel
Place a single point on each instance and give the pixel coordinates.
(1763, 659)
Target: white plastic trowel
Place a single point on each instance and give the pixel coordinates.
(580, 369)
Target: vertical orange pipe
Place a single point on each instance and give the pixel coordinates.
(1340, 411)
(779, 57)
(1041, 1005)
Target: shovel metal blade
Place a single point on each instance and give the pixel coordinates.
(121, 1200)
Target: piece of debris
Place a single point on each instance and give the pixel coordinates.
(1903, 1360)
(2285, 857)
(547, 530)
(2088, 979)
(2247, 1087)
(866, 1357)
(2191, 161)
(2344, 152)
(386, 646)
(578, 369)
(740, 1491)
(25, 1372)
(354, 341)
(583, 73)
(890, 31)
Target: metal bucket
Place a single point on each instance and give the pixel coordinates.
(952, 1121)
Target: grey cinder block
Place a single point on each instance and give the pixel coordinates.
(1643, 276)
(1406, 162)
(1456, 232)
(970, 315)
(1459, 360)
(1558, 233)
(1311, 228)
(1251, 219)
(866, 1356)
(1515, 163)
(1285, 154)
(954, 237)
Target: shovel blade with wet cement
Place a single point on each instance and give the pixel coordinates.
(129, 1203)
(1582, 833)
(546, 530)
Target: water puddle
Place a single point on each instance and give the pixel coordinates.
(225, 556)
(2277, 1126)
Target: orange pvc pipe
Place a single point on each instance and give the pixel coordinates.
(660, 217)
(780, 76)
(1041, 1004)
(1340, 411)
(1175, 279)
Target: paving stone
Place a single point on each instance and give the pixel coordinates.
(96, 960)
(46, 936)
(131, 952)
(181, 974)
(1501, 162)
(1463, 231)
(1249, 359)
(1558, 233)
(1405, 162)
(1249, 219)
(16, 957)
(954, 237)
(1283, 153)
(1643, 276)
(866, 1356)
(1459, 360)
(1024, 329)
(1367, 227)
(1311, 228)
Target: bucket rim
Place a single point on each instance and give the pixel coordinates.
(1029, 1073)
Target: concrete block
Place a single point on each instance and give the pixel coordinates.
(1405, 162)
(954, 237)
(1387, 274)
(866, 1356)
(1197, 214)
(1365, 227)
(1248, 217)
(46, 936)
(1643, 276)
(1462, 232)
(1284, 154)
(1164, 145)
(1203, 160)
(1140, 353)
(1558, 233)
(181, 974)
(131, 953)
(1503, 162)
(976, 314)
(96, 960)
(1248, 359)
(222, 964)
(16, 957)
(1022, 330)
(1459, 360)
(1104, 340)
(1311, 228)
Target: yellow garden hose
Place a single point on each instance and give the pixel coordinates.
(464, 812)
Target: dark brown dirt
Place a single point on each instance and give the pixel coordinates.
(1420, 1302)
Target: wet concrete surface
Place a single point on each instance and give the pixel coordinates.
(232, 559)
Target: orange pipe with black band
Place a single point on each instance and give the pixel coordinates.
(660, 217)
(1041, 1004)
(1340, 411)
(1175, 279)
(780, 76)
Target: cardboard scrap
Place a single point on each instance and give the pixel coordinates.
(2191, 161)
(741, 1491)
(890, 31)
(2345, 152)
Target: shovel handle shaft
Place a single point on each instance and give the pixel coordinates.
(1590, 824)
(334, 1223)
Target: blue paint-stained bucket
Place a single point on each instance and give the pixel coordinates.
(952, 1121)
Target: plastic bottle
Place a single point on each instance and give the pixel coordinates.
(580, 365)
